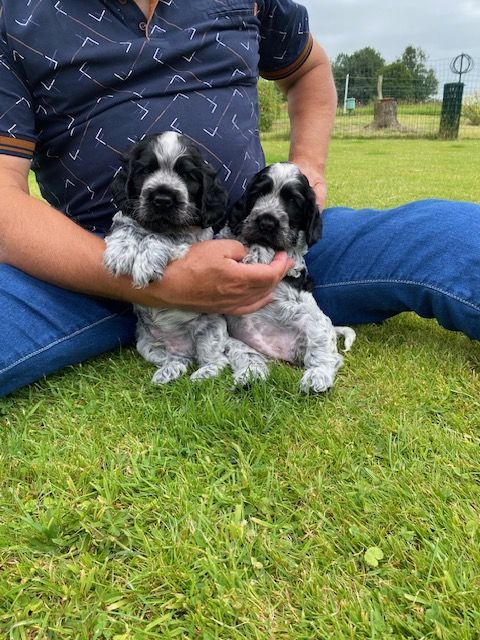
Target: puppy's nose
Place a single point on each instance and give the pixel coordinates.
(267, 224)
(162, 200)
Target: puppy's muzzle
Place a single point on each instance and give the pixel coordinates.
(266, 229)
(162, 200)
(267, 224)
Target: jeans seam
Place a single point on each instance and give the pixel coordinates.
(60, 340)
(398, 281)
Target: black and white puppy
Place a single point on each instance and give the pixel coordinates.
(279, 212)
(168, 199)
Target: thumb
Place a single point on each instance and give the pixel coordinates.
(232, 249)
(282, 263)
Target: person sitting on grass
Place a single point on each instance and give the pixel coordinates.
(79, 82)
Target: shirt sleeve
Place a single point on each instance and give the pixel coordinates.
(17, 125)
(285, 39)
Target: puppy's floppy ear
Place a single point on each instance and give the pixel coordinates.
(258, 185)
(119, 189)
(237, 215)
(214, 200)
(313, 219)
(122, 186)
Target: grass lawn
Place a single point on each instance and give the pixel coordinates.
(129, 511)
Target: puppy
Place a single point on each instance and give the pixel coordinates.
(168, 198)
(279, 212)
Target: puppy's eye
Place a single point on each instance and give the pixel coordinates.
(261, 191)
(297, 200)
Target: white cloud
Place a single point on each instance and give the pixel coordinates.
(442, 28)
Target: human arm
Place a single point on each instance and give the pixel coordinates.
(312, 103)
(45, 243)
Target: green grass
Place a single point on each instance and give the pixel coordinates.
(193, 511)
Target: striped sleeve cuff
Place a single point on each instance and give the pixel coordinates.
(17, 147)
(294, 66)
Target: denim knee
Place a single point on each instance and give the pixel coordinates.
(46, 328)
(423, 257)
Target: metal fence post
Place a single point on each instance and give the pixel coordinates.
(451, 110)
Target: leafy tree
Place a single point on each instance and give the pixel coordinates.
(398, 81)
(270, 102)
(415, 80)
(425, 83)
(363, 66)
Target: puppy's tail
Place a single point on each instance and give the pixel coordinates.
(348, 335)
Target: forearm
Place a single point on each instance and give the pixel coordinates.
(43, 242)
(210, 279)
(312, 103)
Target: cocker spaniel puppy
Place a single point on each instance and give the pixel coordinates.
(168, 198)
(279, 212)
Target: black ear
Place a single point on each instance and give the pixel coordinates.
(237, 215)
(119, 190)
(313, 219)
(214, 200)
(260, 183)
(123, 184)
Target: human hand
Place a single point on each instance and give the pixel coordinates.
(212, 279)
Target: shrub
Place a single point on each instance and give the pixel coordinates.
(270, 102)
(471, 108)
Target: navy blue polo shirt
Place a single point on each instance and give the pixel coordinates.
(80, 80)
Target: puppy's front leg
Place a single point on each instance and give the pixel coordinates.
(210, 340)
(152, 257)
(122, 245)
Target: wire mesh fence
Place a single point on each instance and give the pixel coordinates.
(355, 118)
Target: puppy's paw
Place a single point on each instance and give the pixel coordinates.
(143, 275)
(119, 256)
(251, 373)
(210, 370)
(259, 255)
(168, 372)
(151, 260)
(317, 380)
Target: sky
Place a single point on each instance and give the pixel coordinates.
(442, 28)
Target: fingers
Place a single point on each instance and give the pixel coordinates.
(232, 249)
(268, 275)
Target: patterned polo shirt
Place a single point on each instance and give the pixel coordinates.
(80, 80)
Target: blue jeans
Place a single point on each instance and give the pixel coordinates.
(369, 265)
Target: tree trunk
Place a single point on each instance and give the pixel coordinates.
(385, 115)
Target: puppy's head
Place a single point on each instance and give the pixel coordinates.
(277, 205)
(165, 185)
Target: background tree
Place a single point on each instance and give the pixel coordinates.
(363, 66)
(398, 81)
(425, 83)
(415, 81)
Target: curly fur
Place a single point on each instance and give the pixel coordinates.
(278, 212)
(169, 198)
